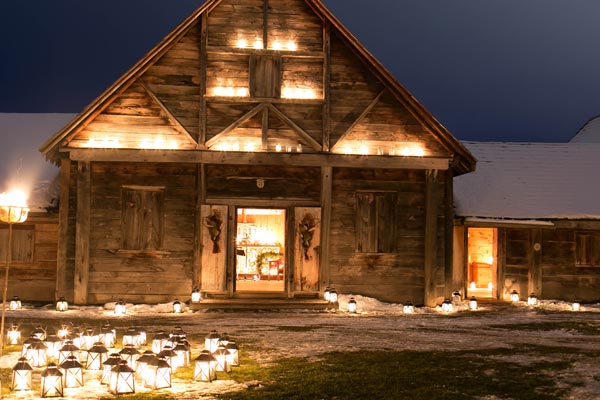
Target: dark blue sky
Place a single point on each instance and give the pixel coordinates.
(511, 70)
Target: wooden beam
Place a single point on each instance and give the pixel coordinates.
(265, 30)
(236, 124)
(366, 111)
(259, 158)
(430, 295)
(535, 264)
(82, 231)
(265, 129)
(202, 117)
(326, 88)
(164, 109)
(197, 252)
(63, 231)
(325, 251)
(313, 143)
(448, 230)
(501, 292)
(231, 249)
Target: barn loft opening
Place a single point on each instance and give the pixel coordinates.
(482, 262)
(260, 254)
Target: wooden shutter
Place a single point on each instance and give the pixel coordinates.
(307, 249)
(213, 274)
(386, 222)
(366, 237)
(265, 76)
(376, 222)
(142, 218)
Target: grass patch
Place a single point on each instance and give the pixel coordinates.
(584, 328)
(404, 375)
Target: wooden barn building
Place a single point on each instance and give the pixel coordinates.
(259, 150)
(529, 220)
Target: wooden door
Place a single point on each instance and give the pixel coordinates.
(307, 240)
(213, 237)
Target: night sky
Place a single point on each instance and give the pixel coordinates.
(505, 70)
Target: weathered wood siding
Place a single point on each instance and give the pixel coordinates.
(516, 262)
(397, 276)
(32, 276)
(141, 276)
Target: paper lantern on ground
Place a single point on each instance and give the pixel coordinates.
(233, 358)
(333, 296)
(53, 345)
(473, 303)
(108, 336)
(122, 379)
(169, 356)
(130, 355)
(63, 331)
(96, 356)
(447, 306)
(15, 303)
(142, 362)
(142, 336)
(211, 342)
(408, 308)
(131, 337)
(62, 305)
(514, 296)
(157, 374)
(28, 342)
(456, 297)
(532, 300)
(178, 334)
(67, 350)
(177, 307)
(21, 375)
(224, 339)
(196, 297)
(36, 354)
(113, 360)
(352, 305)
(221, 357)
(13, 335)
(52, 382)
(181, 355)
(326, 294)
(159, 341)
(72, 371)
(205, 367)
(120, 308)
(39, 333)
(576, 306)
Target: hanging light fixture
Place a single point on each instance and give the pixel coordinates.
(221, 357)
(13, 335)
(514, 296)
(205, 367)
(52, 382)
(352, 305)
(113, 360)
(122, 379)
(177, 307)
(233, 358)
(196, 297)
(157, 374)
(72, 371)
(120, 308)
(211, 342)
(62, 305)
(473, 303)
(408, 308)
(53, 345)
(21, 375)
(96, 356)
(447, 306)
(532, 299)
(15, 303)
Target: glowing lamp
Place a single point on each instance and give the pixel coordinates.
(13, 207)
(67, 350)
(205, 367)
(108, 335)
(120, 308)
(89, 338)
(52, 382)
(62, 305)
(142, 336)
(177, 307)
(13, 335)
(15, 303)
(36, 354)
(157, 374)
(122, 379)
(473, 303)
(408, 308)
(221, 357)
(532, 300)
(130, 354)
(326, 294)
(21, 375)
(169, 356)
(211, 342)
(233, 358)
(130, 338)
(159, 341)
(63, 331)
(53, 345)
(514, 296)
(143, 361)
(181, 355)
(72, 373)
(224, 339)
(333, 296)
(576, 306)
(28, 342)
(96, 356)
(196, 297)
(113, 360)
(352, 305)
(447, 306)
(39, 333)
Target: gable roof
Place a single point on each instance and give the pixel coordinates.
(531, 181)
(464, 162)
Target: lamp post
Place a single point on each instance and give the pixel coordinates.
(13, 210)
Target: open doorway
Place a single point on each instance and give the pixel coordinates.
(482, 262)
(260, 253)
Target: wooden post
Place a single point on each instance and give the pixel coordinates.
(326, 84)
(82, 230)
(535, 264)
(430, 296)
(500, 264)
(459, 258)
(197, 254)
(63, 230)
(449, 231)
(326, 190)
(203, 61)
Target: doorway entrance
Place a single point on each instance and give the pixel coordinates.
(482, 262)
(260, 250)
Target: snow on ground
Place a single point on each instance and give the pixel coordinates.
(376, 326)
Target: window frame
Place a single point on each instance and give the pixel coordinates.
(587, 249)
